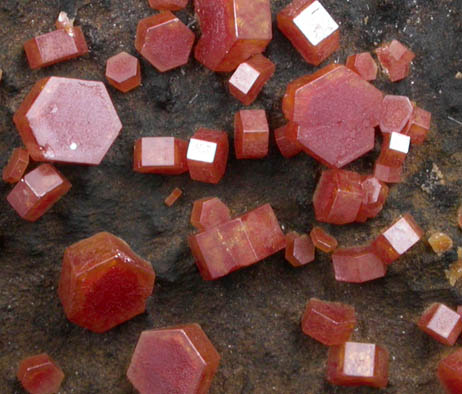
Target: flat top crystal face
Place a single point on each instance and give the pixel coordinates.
(443, 321)
(400, 142)
(315, 23)
(158, 151)
(200, 150)
(401, 236)
(359, 359)
(244, 78)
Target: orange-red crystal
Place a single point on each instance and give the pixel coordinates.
(450, 372)
(209, 212)
(322, 240)
(396, 113)
(287, 145)
(419, 125)
(123, 72)
(299, 249)
(442, 323)
(395, 59)
(16, 166)
(390, 163)
(40, 374)
(173, 197)
(173, 5)
(363, 64)
(251, 134)
(375, 194)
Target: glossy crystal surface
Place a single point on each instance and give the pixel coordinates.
(40, 374)
(299, 249)
(173, 197)
(395, 59)
(123, 72)
(209, 212)
(389, 165)
(16, 166)
(375, 194)
(440, 242)
(251, 134)
(287, 145)
(396, 113)
(419, 125)
(173, 5)
(442, 323)
(322, 240)
(363, 64)
(450, 372)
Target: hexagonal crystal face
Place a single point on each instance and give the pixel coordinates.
(200, 150)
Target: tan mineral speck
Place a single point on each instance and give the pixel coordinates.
(440, 242)
(459, 75)
(454, 273)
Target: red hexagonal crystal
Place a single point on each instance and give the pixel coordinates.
(164, 41)
(40, 374)
(232, 31)
(68, 120)
(322, 240)
(357, 265)
(310, 29)
(442, 323)
(123, 72)
(450, 372)
(299, 249)
(37, 192)
(330, 323)
(363, 64)
(389, 165)
(395, 59)
(338, 197)
(375, 194)
(160, 155)
(287, 146)
(179, 360)
(16, 167)
(250, 77)
(208, 155)
(398, 238)
(209, 212)
(173, 5)
(337, 111)
(358, 364)
(251, 134)
(173, 197)
(419, 125)
(396, 113)
(103, 282)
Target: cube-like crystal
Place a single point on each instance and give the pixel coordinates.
(389, 165)
(419, 125)
(209, 212)
(40, 374)
(299, 249)
(251, 134)
(442, 323)
(17, 166)
(440, 242)
(123, 72)
(173, 197)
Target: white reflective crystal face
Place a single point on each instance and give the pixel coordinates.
(443, 321)
(359, 359)
(244, 78)
(200, 150)
(315, 23)
(400, 142)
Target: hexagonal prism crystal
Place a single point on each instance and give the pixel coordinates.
(330, 323)
(396, 113)
(389, 165)
(251, 134)
(419, 125)
(209, 212)
(375, 194)
(287, 146)
(103, 283)
(450, 372)
(173, 197)
(310, 29)
(164, 41)
(68, 120)
(299, 249)
(177, 359)
(322, 240)
(395, 59)
(338, 197)
(123, 72)
(172, 5)
(207, 155)
(363, 64)
(40, 374)
(441, 323)
(37, 192)
(249, 78)
(358, 364)
(232, 31)
(397, 239)
(16, 166)
(160, 155)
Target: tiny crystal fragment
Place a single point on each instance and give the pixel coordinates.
(454, 273)
(173, 197)
(299, 249)
(330, 323)
(164, 41)
(364, 65)
(40, 374)
(287, 146)
(232, 31)
(440, 242)
(395, 59)
(450, 372)
(251, 134)
(375, 194)
(179, 360)
(322, 240)
(103, 282)
(358, 364)
(209, 212)
(357, 265)
(63, 22)
(389, 165)
(310, 29)
(172, 5)
(123, 72)
(459, 217)
(442, 323)
(17, 165)
(208, 155)
(396, 113)
(160, 155)
(37, 192)
(418, 126)
(249, 78)
(398, 238)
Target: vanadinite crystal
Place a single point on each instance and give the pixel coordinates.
(160, 155)
(237, 243)
(173, 197)
(164, 41)
(179, 360)
(338, 197)
(208, 155)
(251, 134)
(395, 59)
(398, 238)
(173, 5)
(442, 323)
(17, 165)
(450, 372)
(232, 31)
(37, 192)
(103, 282)
(287, 146)
(123, 72)
(322, 240)
(357, 265)
(209, 212)
(389, 165)
(358, 364)
(363, 64)
(68, 120)
(337, 112)
(40, 374)
(310, 29)
(418, 126)
(250, 77)
(396, 113)
(375, 194)
(440, 242)
(330, 323)
(299, 249)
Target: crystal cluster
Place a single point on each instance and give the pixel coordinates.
(389, 165)
(251, 134)
(123, 72)
(40, 374)
(395, 59)
(299, 249)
